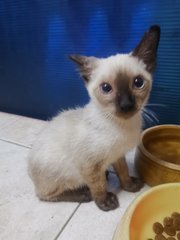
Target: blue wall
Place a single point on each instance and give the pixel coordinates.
(36, 36)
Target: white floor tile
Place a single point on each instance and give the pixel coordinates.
(22, 215)
(89, 222)
(7, 119)
(18, 129)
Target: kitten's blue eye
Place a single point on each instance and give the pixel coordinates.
(138, 83)
(106, 87)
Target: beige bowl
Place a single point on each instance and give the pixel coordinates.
(157, 157)
(147, 208)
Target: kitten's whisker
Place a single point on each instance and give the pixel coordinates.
(149, 116)
(151, 113)
(108, 115)
(156, 104)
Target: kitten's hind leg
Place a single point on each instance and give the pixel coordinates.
(81, 194)
(130, 184)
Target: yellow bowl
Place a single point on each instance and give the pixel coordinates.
(149, 207)
(157, 157)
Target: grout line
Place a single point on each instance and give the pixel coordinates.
(15, 143)
(62, 229)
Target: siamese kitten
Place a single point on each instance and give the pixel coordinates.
(70, 157)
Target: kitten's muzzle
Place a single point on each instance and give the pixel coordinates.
(125, 106)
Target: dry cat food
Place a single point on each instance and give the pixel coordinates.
(169, 229)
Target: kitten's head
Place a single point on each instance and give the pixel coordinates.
(121, 84)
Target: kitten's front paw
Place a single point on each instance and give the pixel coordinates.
(109, 203)
(134, 185)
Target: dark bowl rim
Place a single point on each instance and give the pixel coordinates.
(150, 156)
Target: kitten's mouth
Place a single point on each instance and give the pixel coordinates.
(126, 115)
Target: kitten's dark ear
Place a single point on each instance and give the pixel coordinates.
(147, 48)
(85, 64)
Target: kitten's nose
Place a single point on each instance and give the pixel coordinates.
(127, 104)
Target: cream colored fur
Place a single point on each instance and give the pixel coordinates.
(69, 159)
(85, 136)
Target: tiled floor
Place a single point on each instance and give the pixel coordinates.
(23, 216)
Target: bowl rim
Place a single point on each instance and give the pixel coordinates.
(155, 159)
(123, 225)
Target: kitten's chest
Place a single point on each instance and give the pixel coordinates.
(125, 139)
(118, 140)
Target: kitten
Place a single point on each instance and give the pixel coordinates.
(70, 157)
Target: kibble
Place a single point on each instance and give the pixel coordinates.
(175, 215)
(159, 237)
(168, 221)
(178, 236)
(176, 224)
(158, 228)
(170, 230)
